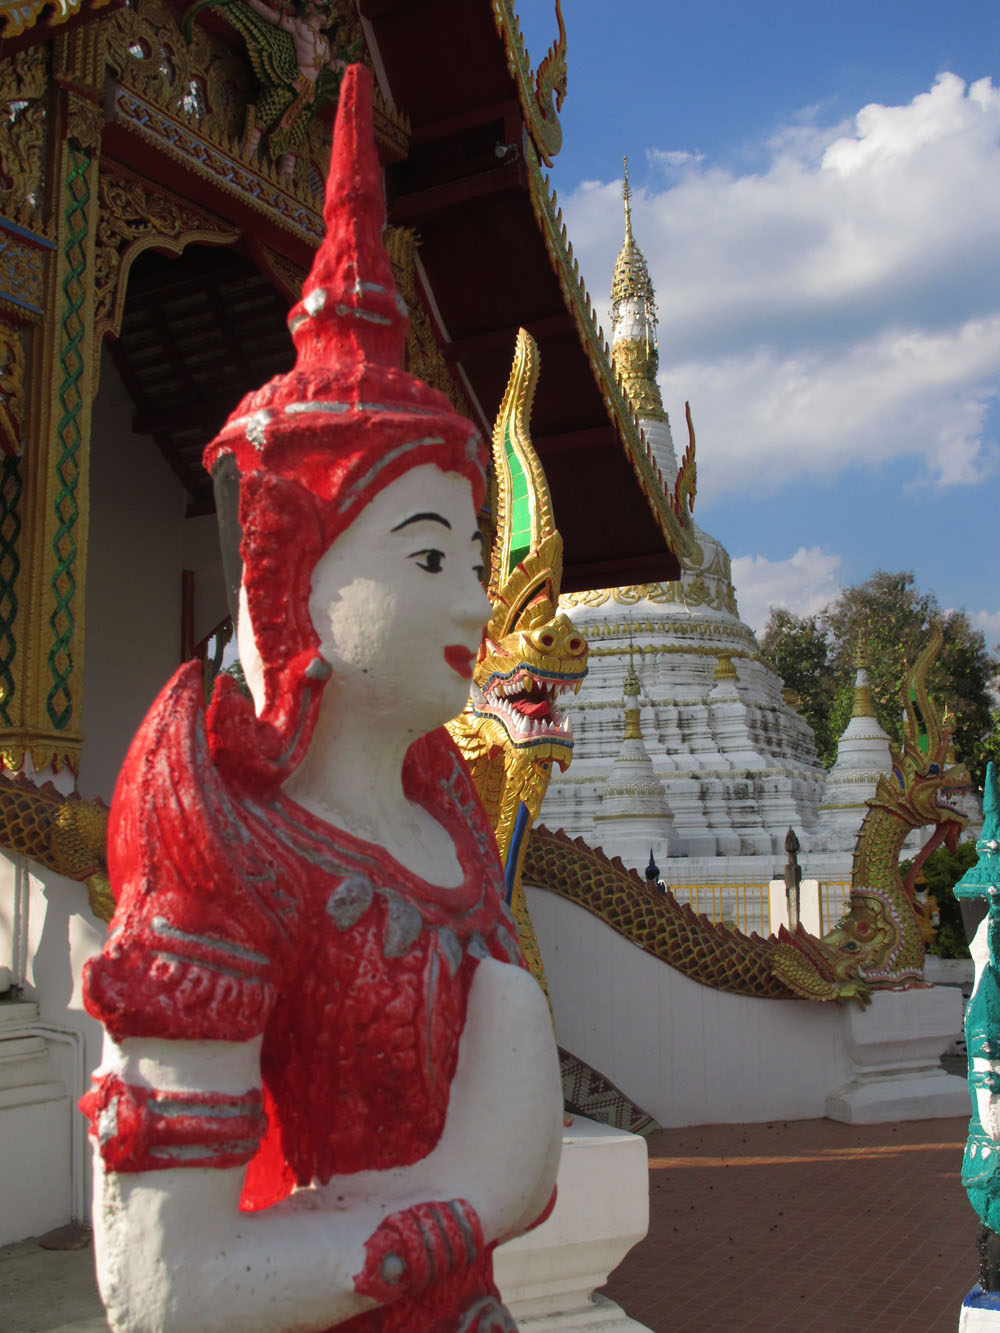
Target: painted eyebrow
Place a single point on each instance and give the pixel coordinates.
(422, 518)
(479, 537)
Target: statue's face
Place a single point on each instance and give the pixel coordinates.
(397, 603)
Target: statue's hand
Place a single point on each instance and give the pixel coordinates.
(418, 1246)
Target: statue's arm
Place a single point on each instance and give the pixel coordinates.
(266, 11)
(174, 1252)
(503, 1133)
(170, 1239)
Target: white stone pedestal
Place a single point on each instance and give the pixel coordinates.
(35, 1159)
(980, 1312)
(894, 1047)
(547, 1278)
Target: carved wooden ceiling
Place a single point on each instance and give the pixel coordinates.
(200, 331)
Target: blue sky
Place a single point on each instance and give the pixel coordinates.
(817, 192)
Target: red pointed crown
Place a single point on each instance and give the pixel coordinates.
(313, 446)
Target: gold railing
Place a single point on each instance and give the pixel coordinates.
(834, 902)
(741, 903)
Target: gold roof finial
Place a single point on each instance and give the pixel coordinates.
(627, 196)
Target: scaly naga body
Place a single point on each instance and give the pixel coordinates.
(63, 833)
(512, 731)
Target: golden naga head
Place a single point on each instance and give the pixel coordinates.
(922, 777)
(531, 652)
(866, 932)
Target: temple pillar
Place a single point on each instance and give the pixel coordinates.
(44, 482)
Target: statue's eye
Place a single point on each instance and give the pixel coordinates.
(480, 572)
(432, 559)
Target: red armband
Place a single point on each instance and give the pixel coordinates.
(144, 1129)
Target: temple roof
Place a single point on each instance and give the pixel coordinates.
(466, 125)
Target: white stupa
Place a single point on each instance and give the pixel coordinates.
(634, 809)
(737, 763)
(862, 756)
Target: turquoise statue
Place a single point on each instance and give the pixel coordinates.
(981, 1164)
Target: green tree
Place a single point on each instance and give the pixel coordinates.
(888, 618)
(799, 650)
(941, 871)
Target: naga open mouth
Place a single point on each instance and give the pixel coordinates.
(942, 803)
(524, 701)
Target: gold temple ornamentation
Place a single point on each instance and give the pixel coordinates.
(12, 389)
(134, 217)
(17, 16)
(542, 93)
(423, 356)
(23, 97)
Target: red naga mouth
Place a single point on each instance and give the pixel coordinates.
(525, 703)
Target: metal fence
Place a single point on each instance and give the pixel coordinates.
(746, 903)
(834, 902)
(741, 903)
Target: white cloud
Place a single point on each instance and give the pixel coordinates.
(803, 584)
(989, 623)
(840, 305)
(763, 419)
(672, 158)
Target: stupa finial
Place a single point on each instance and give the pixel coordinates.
(633, 321)
(630, 689)
(631, 685)
(627, 196)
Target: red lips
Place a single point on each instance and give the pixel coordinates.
(459, 659)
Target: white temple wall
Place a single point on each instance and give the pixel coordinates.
(685, 1053)
(48, 1046)
(139, 543)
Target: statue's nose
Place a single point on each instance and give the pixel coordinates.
(558, 638)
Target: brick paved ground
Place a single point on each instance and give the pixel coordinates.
(806, 1226)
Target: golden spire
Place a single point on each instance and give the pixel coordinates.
(631, 281)
(627, 195)
(633, 321)
(630, 689)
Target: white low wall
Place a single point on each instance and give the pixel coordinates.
(691, 1055)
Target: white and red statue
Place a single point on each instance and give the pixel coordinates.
(331, 1087)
